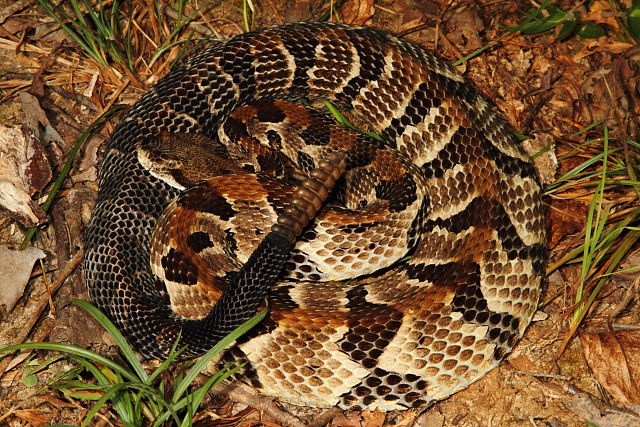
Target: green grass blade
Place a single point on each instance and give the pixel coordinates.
(619, 254)
(78, 13)
(195, 398)
(71, 32)
(123, 344)
(108, 395)
(340, 118)
(122, 404)
(574, 174)
(332, 10)
(72, 350)
(60, 376)
(592, 232)
(176, 31)
(246, 5)
(130, 415)
(480, 50)
(173, 355)
(587, 128)
(182, 386)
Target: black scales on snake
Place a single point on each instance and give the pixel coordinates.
(440, 224)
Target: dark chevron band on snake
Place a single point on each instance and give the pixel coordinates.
(417, 276)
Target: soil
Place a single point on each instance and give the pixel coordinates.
(545, 88)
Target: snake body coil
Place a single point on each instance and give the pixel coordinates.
(451, 214)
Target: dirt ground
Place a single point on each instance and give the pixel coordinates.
(545, 88)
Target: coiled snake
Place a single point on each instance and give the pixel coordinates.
(440, 224)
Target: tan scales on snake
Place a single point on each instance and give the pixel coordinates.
(441, 224)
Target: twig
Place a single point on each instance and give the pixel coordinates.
(45, 279)
(199, 28)
(80, 99)
(10, 8)
(65, 272)
(242, 393)
(325, 418)
(539, 375)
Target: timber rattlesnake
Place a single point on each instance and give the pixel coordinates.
(458, 272)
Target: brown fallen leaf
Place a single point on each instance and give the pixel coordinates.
(9, 8)
(15, 270)
(37, 83)
(585, 408)
(615, 47)
(566, 217)
(356, 12)
(36, 119)
(34, 417)
(359, 419)
(614, 358)
(600, 12)
(373, 419)
(347, 420)
(523, 363)
(416, 13)
(466, 24)
(430, 419)
(24, 170)
(87, 170)
(541, 147)
(55, 401)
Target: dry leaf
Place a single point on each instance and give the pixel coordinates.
(24, 170)
(9, 8)
(467, 23)
(583, 405)
(615, 47)
(55, 401)
(356, 12)
(92, 84)
(359, 419)
(566, 217)
(15, 270)
(416, 13)
(542, 145)
(430, 419)
(347, 419)
(36, 119)
(523, 363)
(373, 419)
(600, 12)
(614, 358)
(87, 168)
(34, 417)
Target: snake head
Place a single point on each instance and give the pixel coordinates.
(183, 159)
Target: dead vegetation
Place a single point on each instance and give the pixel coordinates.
(564, 74)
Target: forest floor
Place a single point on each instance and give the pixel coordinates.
(575, 98)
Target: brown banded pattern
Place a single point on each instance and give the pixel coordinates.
(416, 278)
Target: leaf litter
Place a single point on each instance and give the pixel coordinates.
(558, 91)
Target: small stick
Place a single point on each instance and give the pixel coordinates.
(243, 393)
(64, 274)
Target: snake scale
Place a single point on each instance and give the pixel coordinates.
(447, 245)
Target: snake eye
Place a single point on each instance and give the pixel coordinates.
(172, 163)
(160, 156)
